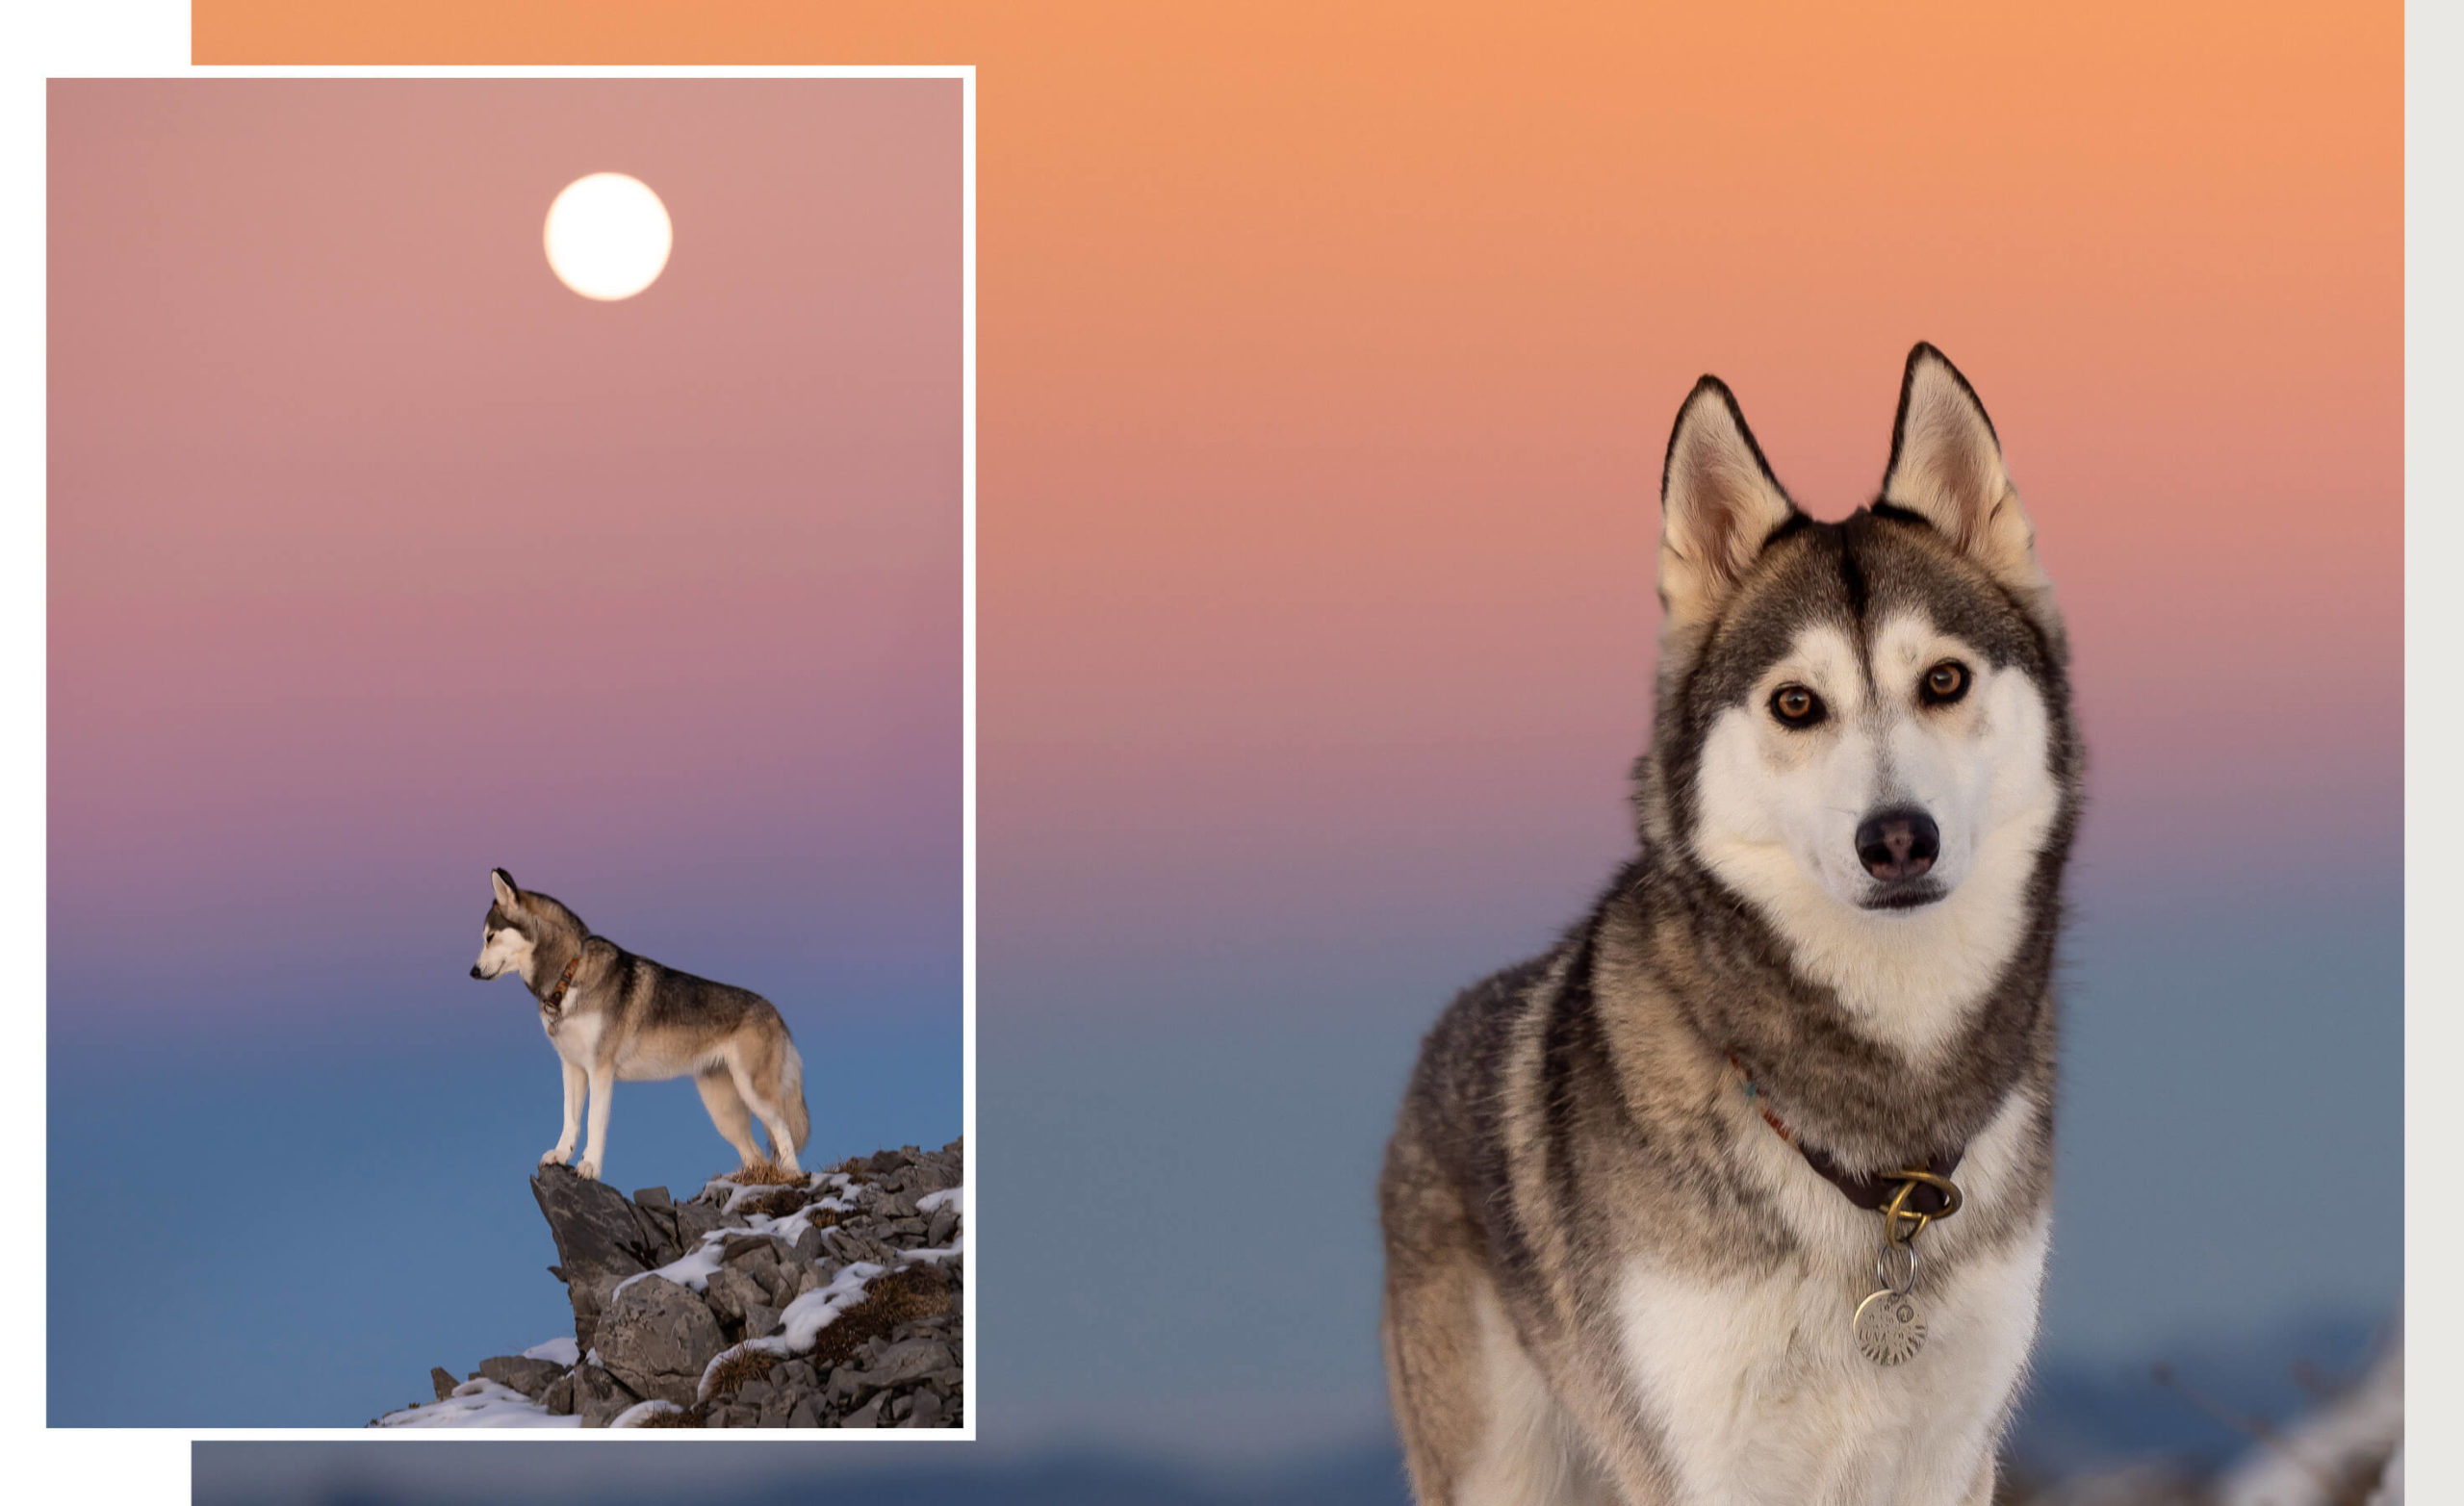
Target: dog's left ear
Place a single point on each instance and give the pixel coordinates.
(508, 896)
(1947, 468)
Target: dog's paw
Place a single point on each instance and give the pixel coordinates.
(588, 1170)
(557, 1158)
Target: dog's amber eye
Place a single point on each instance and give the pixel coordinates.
(1944, 684)
(1796, 706)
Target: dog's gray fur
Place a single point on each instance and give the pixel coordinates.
(1607, 1277)
(626, 1016)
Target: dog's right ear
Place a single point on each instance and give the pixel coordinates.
(508, 896)
(1719, 504)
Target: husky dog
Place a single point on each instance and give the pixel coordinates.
(1647, 1189)
(611, 1014)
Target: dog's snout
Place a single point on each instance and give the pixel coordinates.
(1899, 843)
(475, 973)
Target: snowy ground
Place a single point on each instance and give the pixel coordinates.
(482, 1403)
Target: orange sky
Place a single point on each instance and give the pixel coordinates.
(1326, 354)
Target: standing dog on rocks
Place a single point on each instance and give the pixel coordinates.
(1740, 1193)
(611, 1014)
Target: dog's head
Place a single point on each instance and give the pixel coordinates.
(1860, 723)
(510, 934)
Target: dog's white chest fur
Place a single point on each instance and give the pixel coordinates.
(575, 1036)
(1763, 1397)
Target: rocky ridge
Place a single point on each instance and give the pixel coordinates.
(832, 1299)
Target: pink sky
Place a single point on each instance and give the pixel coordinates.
(376, 553)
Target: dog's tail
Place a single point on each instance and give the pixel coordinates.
(791, 1095)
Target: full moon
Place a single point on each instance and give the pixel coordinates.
(608, 236)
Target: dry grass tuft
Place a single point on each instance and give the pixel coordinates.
(904, 1296)
(765, 1174)
(741, 1368)
(779, 1202)
(687, 1416)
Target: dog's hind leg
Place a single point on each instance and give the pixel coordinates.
(757, 1081)
(576, 1081)
(727, 1111)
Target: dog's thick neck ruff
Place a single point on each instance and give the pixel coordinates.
(1859, 1102)
(1868, 1192)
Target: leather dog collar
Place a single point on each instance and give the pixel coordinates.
(1871, 1193)
(554, 997)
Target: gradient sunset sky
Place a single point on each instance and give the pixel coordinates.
(1327, 355)
(379, 559)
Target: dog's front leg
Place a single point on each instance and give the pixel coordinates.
(602, 1082)
(574, 1080)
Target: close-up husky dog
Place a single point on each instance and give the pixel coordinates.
(1740, 1192)
(611, 1014)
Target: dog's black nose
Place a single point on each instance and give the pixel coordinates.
(1900, 843)
(475, 973)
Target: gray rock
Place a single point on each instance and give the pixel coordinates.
(896, 1204)
(530, 1377)
(754, 1393)
(659, 1238)
(559, 1397)
(902, 1363)
(599, 1397)
(760, 1321)
(846, 1244)
(799, 1375)
(763, 1266)
(844, 1384)
(946, 1223)
(736, 1246)
(443, 1380)
(901, 1407)
(653, 1197)
(656, 1337)
(869, 1415)
(806, 1412)
(588, 1299)
(730, 1288)
(934, 1174)
(806, 1278)
(927, 1411)
(693, 1220)
(598, 1241)
(775, 1410)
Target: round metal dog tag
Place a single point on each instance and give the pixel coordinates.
(1890, 1327)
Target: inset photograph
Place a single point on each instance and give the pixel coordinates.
(508, 711)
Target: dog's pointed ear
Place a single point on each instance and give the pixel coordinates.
(1947, 468)
(1719, 504)
(508, 896)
